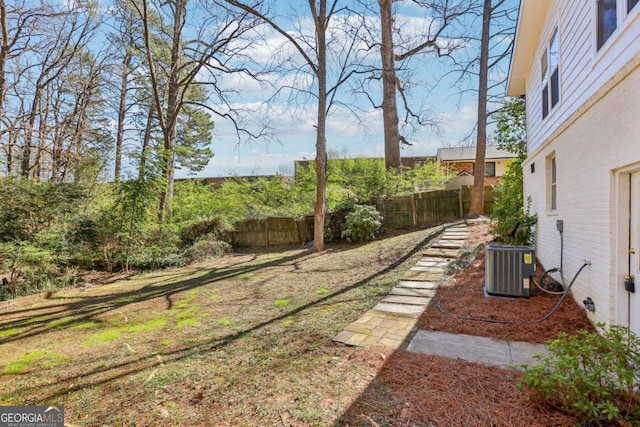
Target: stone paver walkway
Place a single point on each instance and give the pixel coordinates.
(393, 319)
(477, 349)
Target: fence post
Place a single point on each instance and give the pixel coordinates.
(460, 204)
(414, 214)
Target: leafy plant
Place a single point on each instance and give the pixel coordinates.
(362, 223)
(591, 376)
(514, 224)
(207, 246)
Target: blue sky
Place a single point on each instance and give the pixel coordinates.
(293, 126)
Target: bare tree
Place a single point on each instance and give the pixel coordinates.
(218, 38)
(75, 28)
(486, 63)
(318, 57)
(444, 19)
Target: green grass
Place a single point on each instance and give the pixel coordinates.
(38, 358)
(281, 303)
(6, 333)
(225, 321)
(102, 337)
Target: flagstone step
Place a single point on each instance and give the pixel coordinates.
(441, 253)
(422, 276)
(409, 300)
(410, 310)
(454, 235)
(411, 284)
(430, 268)
(413, 292)
(446, 245)
(434, 262)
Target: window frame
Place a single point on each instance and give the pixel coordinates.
(552, 183)
(550, 73)
(631, 4)
(601, 35)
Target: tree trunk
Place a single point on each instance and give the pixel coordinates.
(4, 55)
(122, 109)
(146, 142)
(321, 142)
(477, 193)
(389, 104)
(173, 107)
(25, 166)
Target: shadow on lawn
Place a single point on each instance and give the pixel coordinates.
(101, 376)
(89, 307)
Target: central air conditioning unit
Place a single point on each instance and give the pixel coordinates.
(508, 270)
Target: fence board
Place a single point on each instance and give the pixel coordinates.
(419, 209)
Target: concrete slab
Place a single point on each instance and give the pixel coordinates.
(410, 292)
(434, 262)
(444, 241)
(474, 349)
(522, 352)
(454, 236)
(438, 245)
(422, 276)
(410, 310)
(427, 268)
(402, 299)
(441, 253)
(411, 284)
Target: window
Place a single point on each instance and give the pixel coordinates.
(552, 192)
(549, 69)
(631, 4)
(607, 19)
(490, 169)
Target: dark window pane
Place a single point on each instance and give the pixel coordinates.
(545, 101)
(543, 66)
(555, 88)
(607, 20)
(631, 4)
(490, 169)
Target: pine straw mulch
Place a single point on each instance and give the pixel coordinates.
(431, 391)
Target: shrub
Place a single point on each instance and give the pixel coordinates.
(590, 376)
(514, 225)
(192, 232)
(207, 246)
(362, 223)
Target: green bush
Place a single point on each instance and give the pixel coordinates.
(192, 232)
(207, 246)
(593, 377)
(514, 225)
(31, 269)
(362, 224)
(29, 207)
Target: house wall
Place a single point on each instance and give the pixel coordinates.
(455, 168)
(583, 69)
(591, 147)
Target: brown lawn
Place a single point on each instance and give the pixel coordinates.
(245, 340)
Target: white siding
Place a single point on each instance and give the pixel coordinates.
(588, 154)
(583, 70)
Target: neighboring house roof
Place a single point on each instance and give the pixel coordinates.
(462, 154)
(530, 20)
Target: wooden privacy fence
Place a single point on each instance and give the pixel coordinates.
(415, 210)
(273, 232)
